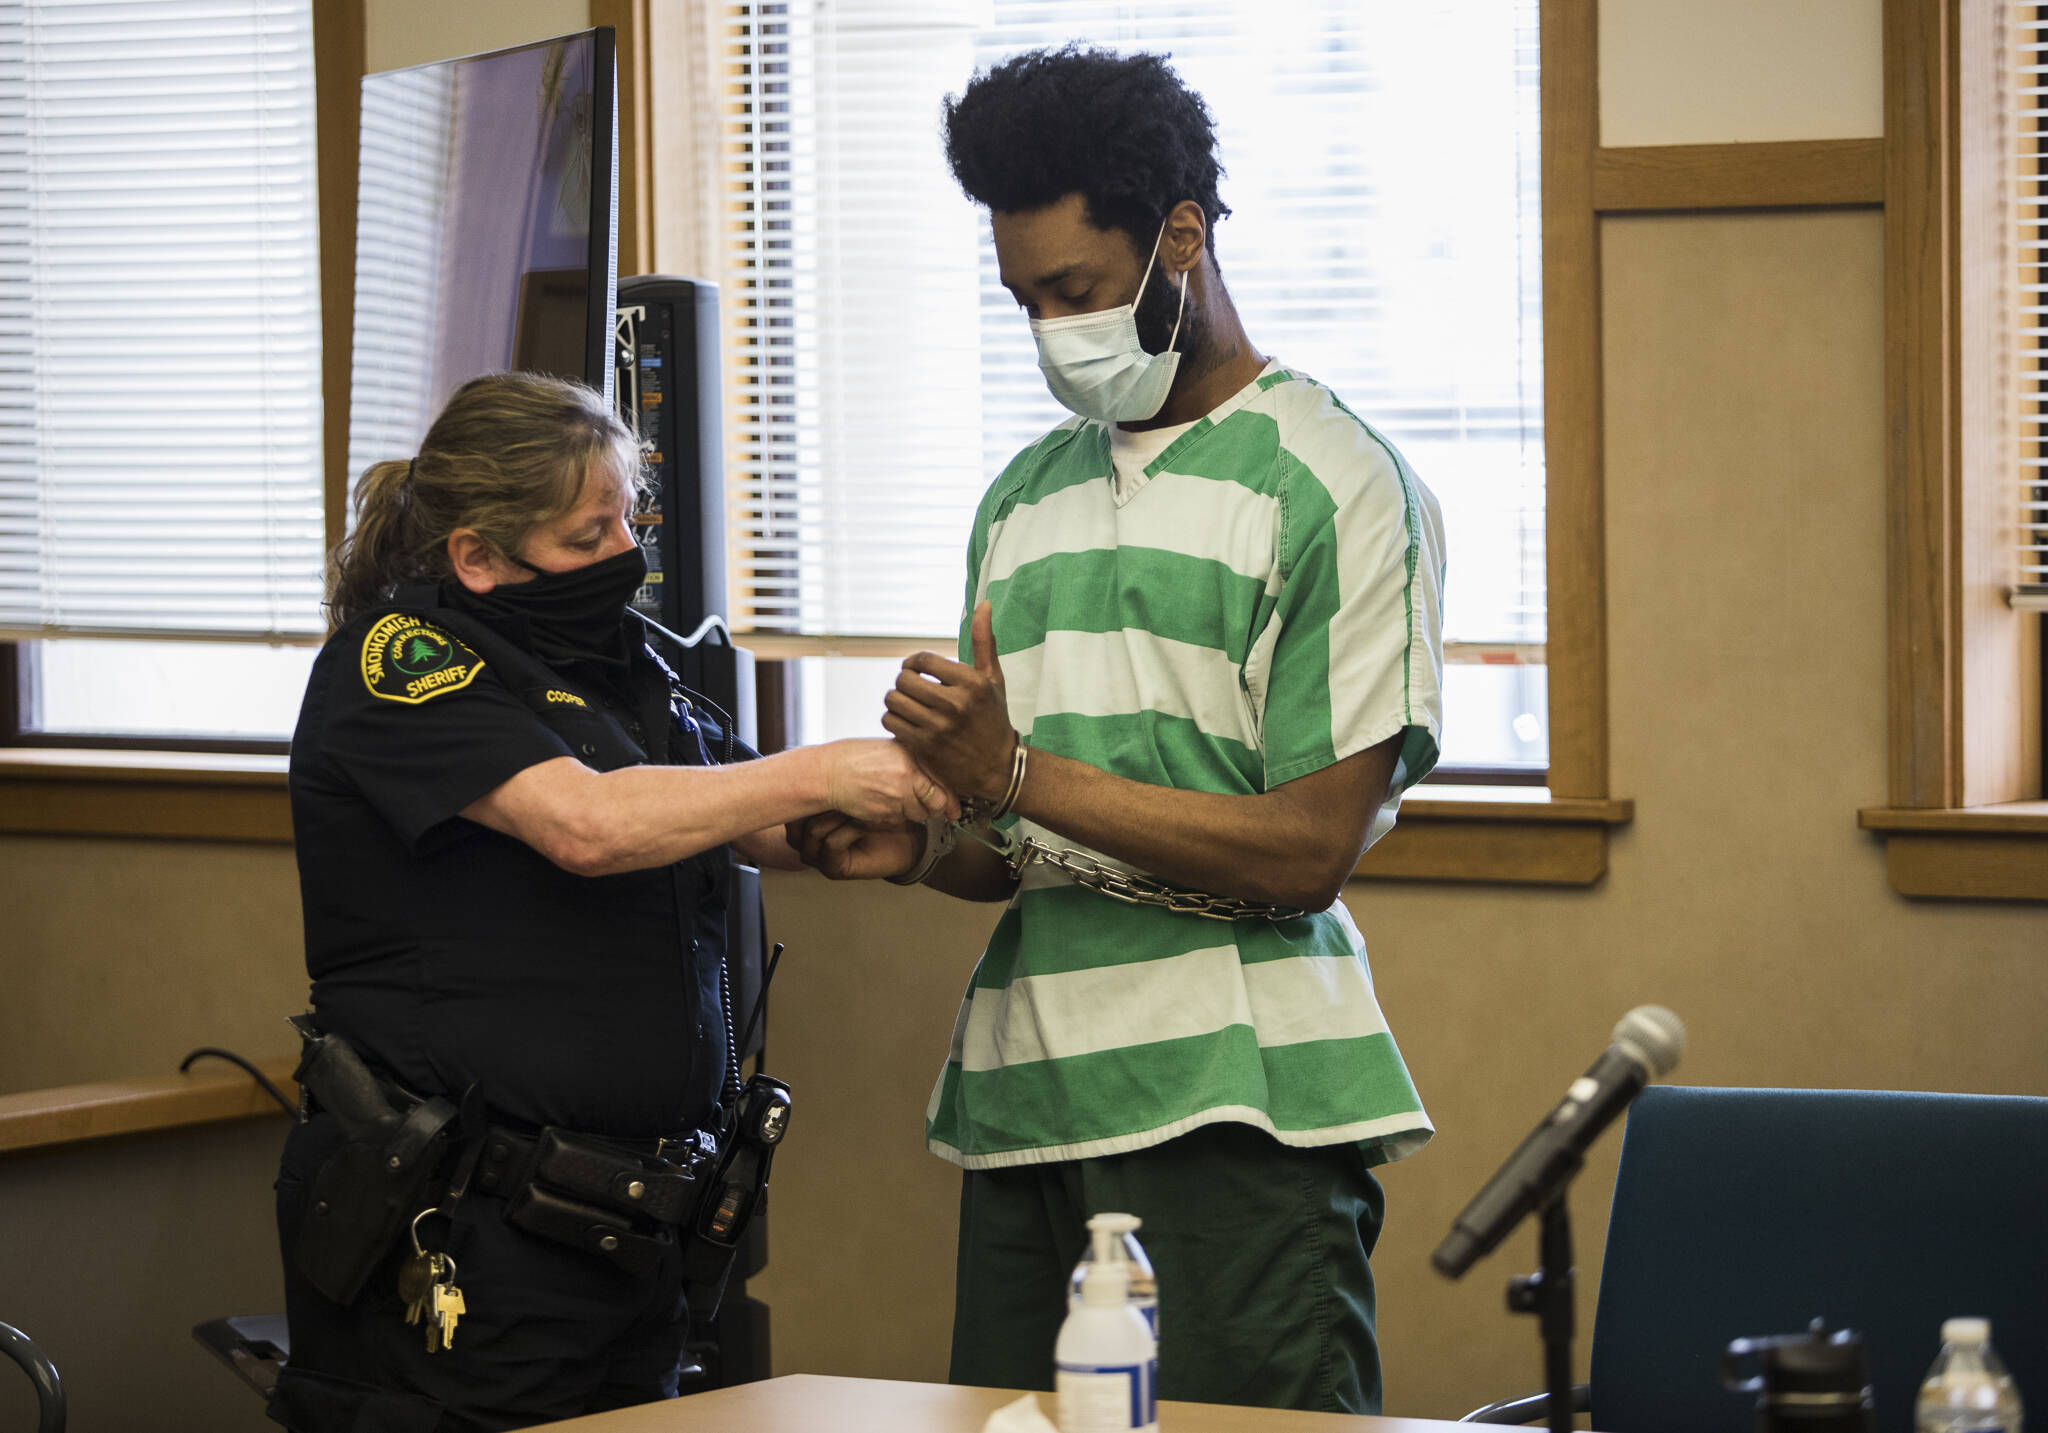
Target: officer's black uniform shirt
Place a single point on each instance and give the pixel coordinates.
(449, 953)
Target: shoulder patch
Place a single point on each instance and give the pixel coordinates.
(407, 659)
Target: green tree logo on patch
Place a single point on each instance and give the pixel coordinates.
(422, 652)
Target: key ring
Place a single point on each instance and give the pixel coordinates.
(420, 1253)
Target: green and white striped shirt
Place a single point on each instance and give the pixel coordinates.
(1264, 599)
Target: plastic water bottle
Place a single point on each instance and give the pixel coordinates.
(1968, 1389)
(1144, 1289)
(1106, 1363)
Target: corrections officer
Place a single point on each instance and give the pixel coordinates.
(515, 833)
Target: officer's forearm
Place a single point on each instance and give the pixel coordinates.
(601, 823)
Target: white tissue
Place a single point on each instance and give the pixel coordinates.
(1019, 1417)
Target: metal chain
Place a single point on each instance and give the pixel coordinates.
(1129, 887)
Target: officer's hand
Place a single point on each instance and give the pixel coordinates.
(872, 779)
(956, 719)
(847, 850)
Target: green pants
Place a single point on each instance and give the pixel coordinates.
(1265, 1289)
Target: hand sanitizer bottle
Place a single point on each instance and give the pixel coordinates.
(1106, 1361)
(1144, 1288)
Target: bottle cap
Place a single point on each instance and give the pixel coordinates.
(1105, 1285)
(1966, 1330)
(1797, 1368)
(1116, 1223)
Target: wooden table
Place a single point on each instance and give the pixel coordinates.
(813, 1403)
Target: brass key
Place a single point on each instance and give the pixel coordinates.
(416, 1279)
(448, 1308)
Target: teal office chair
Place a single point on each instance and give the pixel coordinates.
(1741, 1212)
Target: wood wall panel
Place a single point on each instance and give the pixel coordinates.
(1575, 558)
(1921, 432)
(338, 63)
(629, 18)
(1968, 867)
(1789, 174)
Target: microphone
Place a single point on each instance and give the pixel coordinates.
(1647, 1042)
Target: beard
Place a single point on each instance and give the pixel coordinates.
(1155, 312)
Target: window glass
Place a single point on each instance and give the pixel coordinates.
(175, 689)
(1382, 163)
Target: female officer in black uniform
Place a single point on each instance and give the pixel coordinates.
(514, 836)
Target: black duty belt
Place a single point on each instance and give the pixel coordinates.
(631, 1202)
(656, 1180)
(624, 1201)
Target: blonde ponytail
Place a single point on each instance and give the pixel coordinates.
(509, 452)
(377, 554)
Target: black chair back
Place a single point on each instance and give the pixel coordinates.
(1741, 1212)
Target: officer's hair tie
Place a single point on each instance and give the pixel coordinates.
(405, 497)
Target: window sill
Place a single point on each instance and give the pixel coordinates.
(217, 797)
(193, 796)
(1996, 853)
(1560, 841)
(70, 1114)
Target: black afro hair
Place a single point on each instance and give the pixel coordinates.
(1120, 130)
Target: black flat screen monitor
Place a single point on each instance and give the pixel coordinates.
(486, 231)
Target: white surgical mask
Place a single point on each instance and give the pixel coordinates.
(1095, 366)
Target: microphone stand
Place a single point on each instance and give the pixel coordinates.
(1547, 1293)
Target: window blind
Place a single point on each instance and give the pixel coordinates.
(1382, 163)
(160, 422)
(401, 196)
(2027, 88)
(853, 447)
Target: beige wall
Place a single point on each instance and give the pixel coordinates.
(1746, 613)
(120, 956)
(1721, 71)
(397, 33)
(111, 1253)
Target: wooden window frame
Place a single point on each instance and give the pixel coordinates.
(338, 48)
(211, 790)
(1562, 841)
(1963, 816)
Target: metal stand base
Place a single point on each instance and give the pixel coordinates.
(1547, 1293)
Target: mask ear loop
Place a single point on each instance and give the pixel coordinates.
(1182, 308)
(1178, 311)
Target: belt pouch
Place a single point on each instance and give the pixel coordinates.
(613, 1180)
(706, 1268)
(545, 1214)
(361, 1198)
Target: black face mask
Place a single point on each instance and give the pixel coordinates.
(573, 616)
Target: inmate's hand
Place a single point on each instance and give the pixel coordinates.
(874, 779)
(955, 719)
(848, 850)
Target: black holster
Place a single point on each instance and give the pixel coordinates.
(378, 1178)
